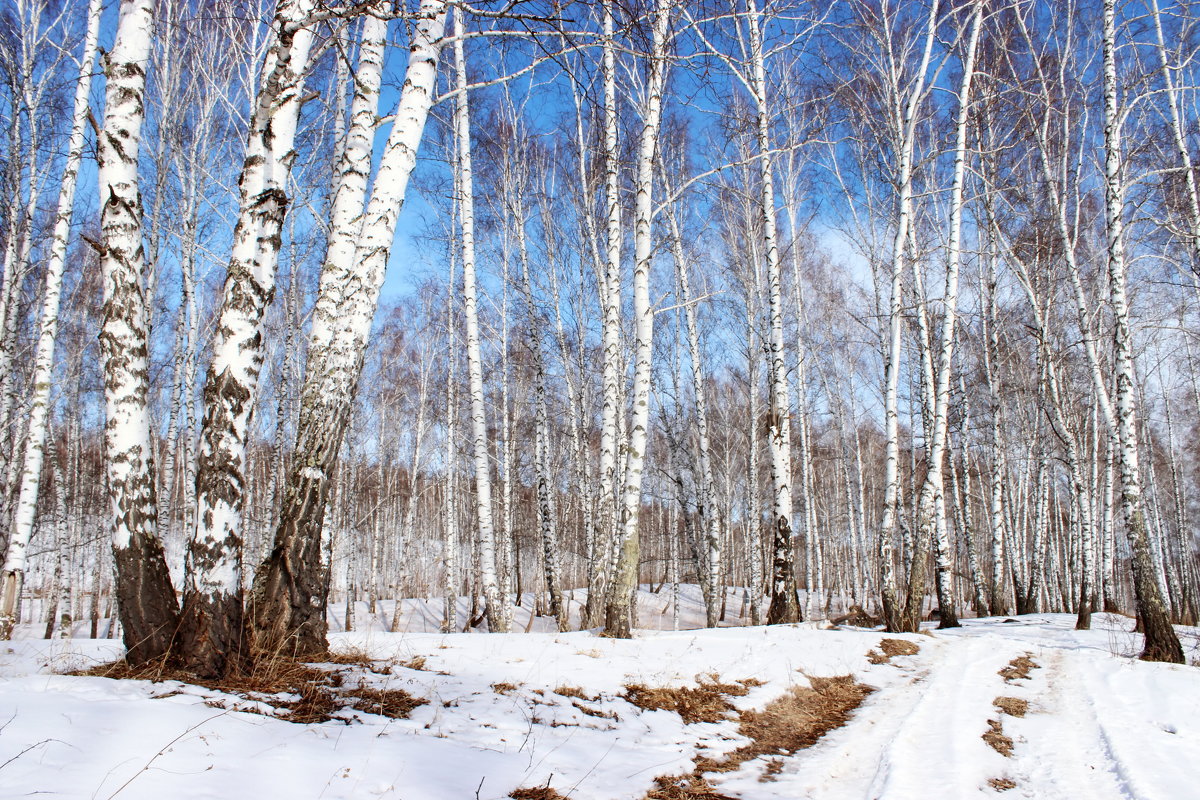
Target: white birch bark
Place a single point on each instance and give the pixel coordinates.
(146, 599)
(1161, 642)
(288, 595)
(932, 502)
(620, 611)
(494, 598)
(892, 612)
(605, 536)
(12, 576)
(212, 609)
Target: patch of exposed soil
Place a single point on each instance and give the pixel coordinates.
(997, 740)
(890, 648)
(1019, 668)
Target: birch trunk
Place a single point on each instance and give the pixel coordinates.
(893, 614)
(620, 609)
(211, 624)
(610, 288)
(148, 609)
(932, 501)
(289, 597)
(1161, 642)
(494, 598)
(13, 573)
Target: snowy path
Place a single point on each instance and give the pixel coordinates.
(1100, 725)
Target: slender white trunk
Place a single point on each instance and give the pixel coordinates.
(1161, 643)
(604, 538)
(43, 366)
(621, 609)
(932, 502)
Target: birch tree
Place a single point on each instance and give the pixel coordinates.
(1161, 642)
(145, 598)
(289, 595)
(43, 368)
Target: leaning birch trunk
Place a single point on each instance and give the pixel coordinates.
(289, 595)
(610, 287)
(1161, 642)
(620, 608)
(493, 597)
(211, 625)
(43, 368)
(932, 502)
(148, 609)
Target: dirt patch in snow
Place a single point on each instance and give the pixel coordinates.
(997, 740)
(890, 648)
(1013, 706)
(792, 722)
(1019, 668)
(538, 793)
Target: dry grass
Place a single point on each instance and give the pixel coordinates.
(789, 723)
(705, 702)
(685, 787)
(1013, 706)
(596, 712)
(1002, 784)
(801, 716)
(504, 688)
(1019, 668)
(393, 703)
(997, 740)
(415, 663)
(890, 648)
(299, 692)
(574, 691)
(539, 793)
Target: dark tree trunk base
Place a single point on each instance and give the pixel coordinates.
(146, 602)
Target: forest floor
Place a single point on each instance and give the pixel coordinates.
(1020, 707)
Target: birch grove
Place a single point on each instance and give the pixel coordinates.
(875, 311)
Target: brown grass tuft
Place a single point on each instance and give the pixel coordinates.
(1002, 784)
(997, 740)
(393, 703)
(1013, 706)
(299, 692)
(504, 688)
(684, 787)
(575, 691)
(1019, 668)
(801, 716)
(414, 663)
(705, 702)
(538, 793)
(789, 723)
(890, 649)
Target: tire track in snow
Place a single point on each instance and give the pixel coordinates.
(937, 750)
(911, 740)
(1060, 746)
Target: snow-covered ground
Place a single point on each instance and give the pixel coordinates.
(1100, 724)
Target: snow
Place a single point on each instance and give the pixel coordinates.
(1100, 724)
